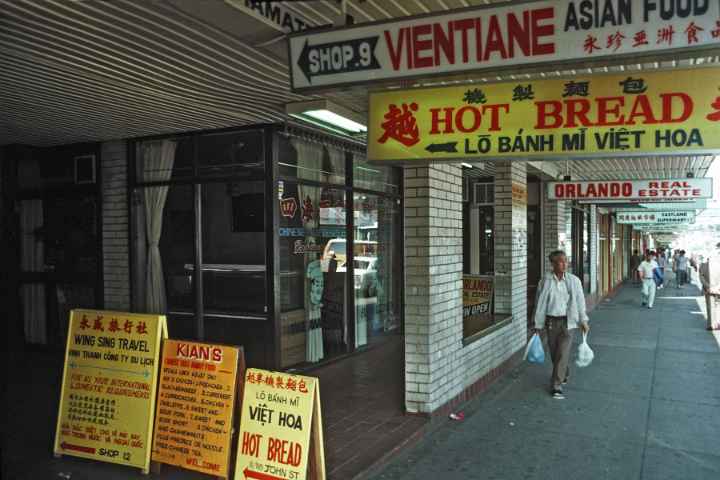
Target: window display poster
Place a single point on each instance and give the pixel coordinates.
(196, 396)
(109, 385)
(279, 424)
(477, 294)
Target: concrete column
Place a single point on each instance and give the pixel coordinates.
(511, 240)
(594, 248)
(554, 215)
(115, 241)
(433, 286)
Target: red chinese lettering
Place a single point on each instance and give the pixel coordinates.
(714, 116)
(692, 31)
(640, 38)
(400, 125)
(250, 377)
(302, 387)
(97, 324)
(590, 44)
(84, 324)
(141, 328)
(127, 326)
(715, 32)
(269, 381)
(291, 384)
(665, 35)
(259, 378)
(615, 40)
(279, 382)
(114, 327)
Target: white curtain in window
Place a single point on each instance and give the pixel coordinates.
(310, 162)
(158, 159)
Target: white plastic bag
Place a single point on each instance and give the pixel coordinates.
(585, 354)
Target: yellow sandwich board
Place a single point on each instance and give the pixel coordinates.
(196, 399)
(280, 428)
(108, 390)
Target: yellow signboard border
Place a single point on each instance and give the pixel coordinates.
(162, 333)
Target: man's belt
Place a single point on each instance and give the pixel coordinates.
(551, 317)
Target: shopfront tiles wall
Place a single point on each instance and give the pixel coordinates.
(594, 247)
(116, 272)
(433, 285)
(554, 215)
(439, 369)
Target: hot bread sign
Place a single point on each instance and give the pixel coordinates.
(632, 190)
(481, 38)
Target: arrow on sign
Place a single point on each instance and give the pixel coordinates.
(450, 147)
(145, 374)
(259, 476)
(77, 448)
(338, 57)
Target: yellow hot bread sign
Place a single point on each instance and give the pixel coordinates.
(108, 390)
(634, 113)
(279, 413)
(196, 399)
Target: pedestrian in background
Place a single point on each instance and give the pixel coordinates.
(662, 263)
(647, 276)
(560, 309)
(635, 260)
(710, 280)
(681, 266)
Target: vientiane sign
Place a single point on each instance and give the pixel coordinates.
(497, 37)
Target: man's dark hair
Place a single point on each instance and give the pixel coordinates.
(556, 253)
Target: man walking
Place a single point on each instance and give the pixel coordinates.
(662, 263)
(647, 276)
(710, 280)
(681, 267)
(560, 309)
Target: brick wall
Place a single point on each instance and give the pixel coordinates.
(438, 367)
(594, 247)
(116, 272)
(554, 215)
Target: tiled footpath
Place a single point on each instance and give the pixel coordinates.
(647, 408)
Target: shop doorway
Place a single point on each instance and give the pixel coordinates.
(58, 229)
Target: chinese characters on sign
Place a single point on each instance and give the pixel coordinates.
(196, 399)
(108, 390)
(500, 36)
(280, 417)
(656, 217)
(653, 113)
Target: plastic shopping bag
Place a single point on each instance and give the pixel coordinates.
(534, 352)
(585, 353)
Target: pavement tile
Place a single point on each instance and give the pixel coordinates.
(687, 387)
(685, 426)
(673, 464)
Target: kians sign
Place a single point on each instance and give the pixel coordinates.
(630, 114)
(529, 33)
(632, 190)
(659, 217)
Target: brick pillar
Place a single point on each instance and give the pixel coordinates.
(594, 247)
(511, 240)
(116, 270)
(433, 286)
(553, 214)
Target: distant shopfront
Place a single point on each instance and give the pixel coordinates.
(298, 239)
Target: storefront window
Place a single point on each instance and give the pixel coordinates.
(377, 289)
(233, 248)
